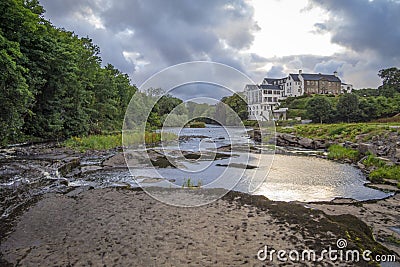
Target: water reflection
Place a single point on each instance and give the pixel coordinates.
(288, 178)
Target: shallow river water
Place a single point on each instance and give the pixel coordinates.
(278, 177)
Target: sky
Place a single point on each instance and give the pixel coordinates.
(261, 38)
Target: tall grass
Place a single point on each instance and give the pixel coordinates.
(386, 172)
(104, 142)
(373, 161)
(338, 152)
(94, 142)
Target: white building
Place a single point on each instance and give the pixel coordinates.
(347, 88)
(262, 99)
(265, 98)
(294, 86)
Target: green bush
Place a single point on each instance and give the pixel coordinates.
(197, 124)
(386, 172)
(338, 152)
(371, 160)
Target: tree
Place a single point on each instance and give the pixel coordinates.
(237, 104)
(390, 78)
(220, 113)
(14, 94)
(348, 108)
(167, 103)
(319, 109)
(52, 83)
(368, 108)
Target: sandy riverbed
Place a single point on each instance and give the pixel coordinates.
(107, 227)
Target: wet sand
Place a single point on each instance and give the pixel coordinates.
(120, 227)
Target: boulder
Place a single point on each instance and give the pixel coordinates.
(289, 138)
(320, 144)
(382, 150)
(397, 154)
(364, 148)
(116, 161)
(306, 143)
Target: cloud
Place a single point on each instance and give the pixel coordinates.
(143, 37)
(276, 71)
(363, 26)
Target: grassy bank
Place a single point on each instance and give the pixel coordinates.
(381, 170)
(104, 142)
(338, 152)
(341, 131)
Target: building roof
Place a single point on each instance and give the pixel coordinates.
(251, 87)
(270, 87)
(273, 80)
(295, 77)
(319, 76)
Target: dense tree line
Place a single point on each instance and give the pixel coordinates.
(52, 82)
(360, 106)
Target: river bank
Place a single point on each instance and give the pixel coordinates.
(373, 148)
(383, 147)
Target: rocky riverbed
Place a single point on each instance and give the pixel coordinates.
(387, 147)
(53, 220)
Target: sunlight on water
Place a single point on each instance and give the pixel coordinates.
(294, 178)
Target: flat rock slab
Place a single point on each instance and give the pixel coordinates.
(380, 215)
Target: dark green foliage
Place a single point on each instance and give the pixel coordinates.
(238, 105)
(319, 109)
(15, 96)
(52, 83)
(390, 79)
(167, 103)
(162, 108)
(360, 106)
(386, 172)
(347, 108)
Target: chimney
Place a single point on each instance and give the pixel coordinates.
(335, 73)
(300, 71)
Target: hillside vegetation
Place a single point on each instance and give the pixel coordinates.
(360, 106)
(342, 132)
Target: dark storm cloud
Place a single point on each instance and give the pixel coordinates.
(363, 25)
(142, 37)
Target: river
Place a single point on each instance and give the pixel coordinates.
(278, 177)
